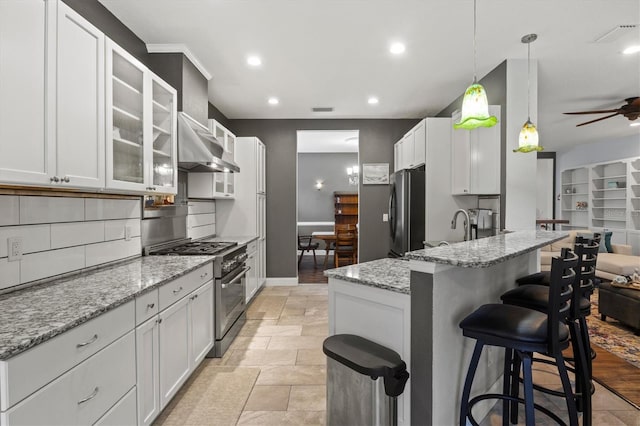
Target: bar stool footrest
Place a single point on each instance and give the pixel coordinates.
(500, 396)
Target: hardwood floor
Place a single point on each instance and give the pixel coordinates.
(617, 375)
(310, 273)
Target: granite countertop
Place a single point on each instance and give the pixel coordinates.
(387, 274)
(242, 239)
(489, 251)
(33, 315)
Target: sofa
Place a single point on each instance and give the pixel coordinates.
(608, 266)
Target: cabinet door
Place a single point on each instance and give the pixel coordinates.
(485, 157)
(262, 267)
(407, 151)
(397, 156)
(419, 143)
(460, 160)
(80, 131)
(148, 370)
(163, 144)
(174, 349)
(126, 115)
(262, 167)
(252, 276)
(201, 322)
(27, 104)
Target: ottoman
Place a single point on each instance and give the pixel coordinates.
(620, 303)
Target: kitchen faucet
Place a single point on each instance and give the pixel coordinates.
(467, 228)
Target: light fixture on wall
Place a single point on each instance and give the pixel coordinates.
(319, 184)
(475, 107)
(528, 139)
(352, 173)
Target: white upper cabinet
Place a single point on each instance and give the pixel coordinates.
(80, 149)
(475, 159)
(409, 152)
(52, 111)
(27, 91)
(141, 126)
(216, 185)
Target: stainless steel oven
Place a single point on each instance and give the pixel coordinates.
(230, 272)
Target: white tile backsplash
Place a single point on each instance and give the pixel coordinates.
(101, 209)
(49, 263)
(112, 250)
(76, 233)
(34, 238)
(9, 210)
(9, 273)
(199, 207)
(114, 229)
(195, 220)
(50, 209)
(201, 231)
(65, 234)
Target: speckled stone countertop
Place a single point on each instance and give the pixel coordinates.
(243, 239)
(33, 315)
(489, 251)
(387, 274)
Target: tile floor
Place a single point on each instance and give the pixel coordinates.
(274, 373)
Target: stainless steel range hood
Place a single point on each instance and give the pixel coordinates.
(199, 150)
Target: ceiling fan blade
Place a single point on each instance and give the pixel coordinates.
(597, 119)
(592, 112)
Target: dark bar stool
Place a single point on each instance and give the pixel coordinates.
(537, 297)
(523, 331)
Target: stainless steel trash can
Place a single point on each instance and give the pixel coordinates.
(364, 380)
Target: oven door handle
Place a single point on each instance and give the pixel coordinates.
(238, 277)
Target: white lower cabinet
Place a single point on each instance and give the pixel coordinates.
(174, 349)
(148, 370)
(251, 280)
(123, 413)
(201, 323)
(84, 393)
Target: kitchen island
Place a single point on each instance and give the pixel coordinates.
(414, 307)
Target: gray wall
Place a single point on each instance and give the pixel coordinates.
(317, 205)
(495, 84)
(376, 146)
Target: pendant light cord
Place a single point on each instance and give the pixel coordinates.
(475, 65)
(529, 81)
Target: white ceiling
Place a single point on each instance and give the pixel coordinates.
(335, 54)
(327, 141)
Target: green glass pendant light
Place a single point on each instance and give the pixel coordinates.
(475, 107)
(528, 139)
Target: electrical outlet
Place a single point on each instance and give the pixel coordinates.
(14, 248)
(127, 233)
(385, 217)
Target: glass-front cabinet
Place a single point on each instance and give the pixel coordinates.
(140, 126)
(163, 134)
(224, 183)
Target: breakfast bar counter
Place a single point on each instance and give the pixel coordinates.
(445, 284)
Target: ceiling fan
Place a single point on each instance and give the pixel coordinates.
(631, 111)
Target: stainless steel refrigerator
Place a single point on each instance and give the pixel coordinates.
(406, 211)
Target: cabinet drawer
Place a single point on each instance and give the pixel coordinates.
(83, 394)
(252, 246)
(123, 413)
(146, 306)
(29, 371)
(180, 287)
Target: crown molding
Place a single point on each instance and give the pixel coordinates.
(179, 48)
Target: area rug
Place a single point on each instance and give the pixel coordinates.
(617, 362)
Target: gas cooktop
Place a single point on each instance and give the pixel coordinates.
(195, 248)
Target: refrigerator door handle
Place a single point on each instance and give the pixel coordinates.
(392, 217)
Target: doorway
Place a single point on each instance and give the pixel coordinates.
(546, 188)
(328, 174)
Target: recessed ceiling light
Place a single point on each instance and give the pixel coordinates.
(397, 48)
(273, 101)
(634, 124)
(373, 100)
(631, 50)
(254, 61)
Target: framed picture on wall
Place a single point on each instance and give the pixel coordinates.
(375, 174)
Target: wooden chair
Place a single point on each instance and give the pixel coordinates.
(346, 246)
(305, 244)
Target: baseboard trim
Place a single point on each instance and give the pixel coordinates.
(285, 281)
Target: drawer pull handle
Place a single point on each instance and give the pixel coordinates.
(194, 297)
(204, 275)
(151, 305)
(159, 320)
(90, 397)
(88, 342)
(176, 291)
